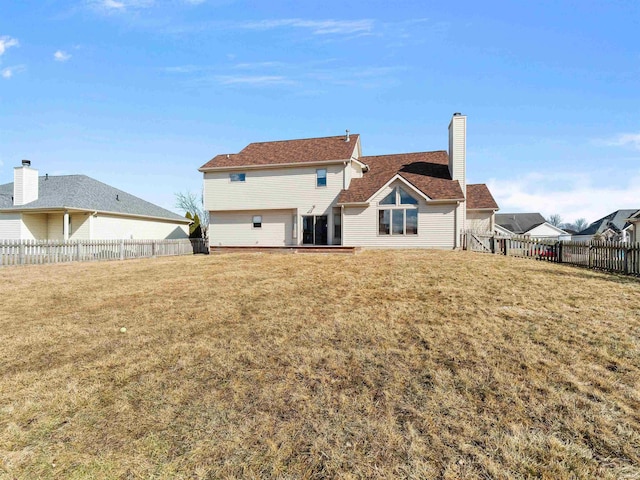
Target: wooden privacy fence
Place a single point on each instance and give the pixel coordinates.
(29, 252)
(609, 256)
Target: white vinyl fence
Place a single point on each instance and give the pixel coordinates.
(29, 252)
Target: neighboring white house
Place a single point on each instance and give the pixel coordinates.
(615, 227)
(634, 229)
(322, 191)
(532, 225)
(76, 207)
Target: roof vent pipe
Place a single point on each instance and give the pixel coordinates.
(26, 163)
(347, 139)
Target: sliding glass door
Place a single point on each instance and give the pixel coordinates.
(315, 229)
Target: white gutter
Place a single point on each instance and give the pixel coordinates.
(92, 212)
(270, 166)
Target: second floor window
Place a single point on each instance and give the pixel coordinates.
(237, 177)
(321, 177)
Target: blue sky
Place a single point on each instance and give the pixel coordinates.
(140, 93)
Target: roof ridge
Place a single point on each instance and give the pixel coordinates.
(403, 153)
(301, 139)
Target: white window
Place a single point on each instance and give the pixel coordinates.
(257, 221)
(321, 177)
(399, 215)
(237, 177)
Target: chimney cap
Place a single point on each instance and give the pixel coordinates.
(26, 163)
(457, 114)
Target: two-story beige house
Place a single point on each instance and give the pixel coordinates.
(322, 191)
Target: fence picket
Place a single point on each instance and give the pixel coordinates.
(25, 252)
(600, 255)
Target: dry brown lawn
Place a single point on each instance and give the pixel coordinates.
(386, 364)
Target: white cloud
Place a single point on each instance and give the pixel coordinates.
(9, 72)
(115, 6)
(623, 140)
(61, 56)
(7, 42)
(257, 80)
(317, 27)
(572, 195)
(258, 65)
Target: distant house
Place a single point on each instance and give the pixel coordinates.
(614, 227)
(322, 191)
(634, 221)
(531, 225)
(76, 207)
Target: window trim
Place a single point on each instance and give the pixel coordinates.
(253, 221)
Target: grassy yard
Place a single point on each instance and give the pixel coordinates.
(380, 365)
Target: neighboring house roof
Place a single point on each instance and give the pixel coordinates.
(309, 150)
(426, 171)
(616, 221)
(519, 223)
(84, 193)
(479, 197)
(6, 199)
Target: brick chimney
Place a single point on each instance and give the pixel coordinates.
(25, 184)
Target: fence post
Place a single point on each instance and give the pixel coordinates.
(21, 255)
(560, 244)
(626, 260)
(590, 256)
(154, 248)
(507, 245)
(122, 249)
(78, 251)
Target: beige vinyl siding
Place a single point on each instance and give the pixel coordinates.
(347, 172)
(271, 189)
(81, 226)
(34, 226)
(479, 222)
(54, 226)
(435, 225)
(458, 150)
(10, 226)
(25, 185)
(356, 170)
(111, 227)
(236, 228)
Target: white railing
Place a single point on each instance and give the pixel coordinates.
(30, 252)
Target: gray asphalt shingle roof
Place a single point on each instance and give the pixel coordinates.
(617, 221)
(84, 193)
(519, 222)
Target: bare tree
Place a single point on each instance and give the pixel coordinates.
(580, 224)
(190, 203)
(555, 220)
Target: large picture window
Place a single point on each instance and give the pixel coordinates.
(398, 214)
